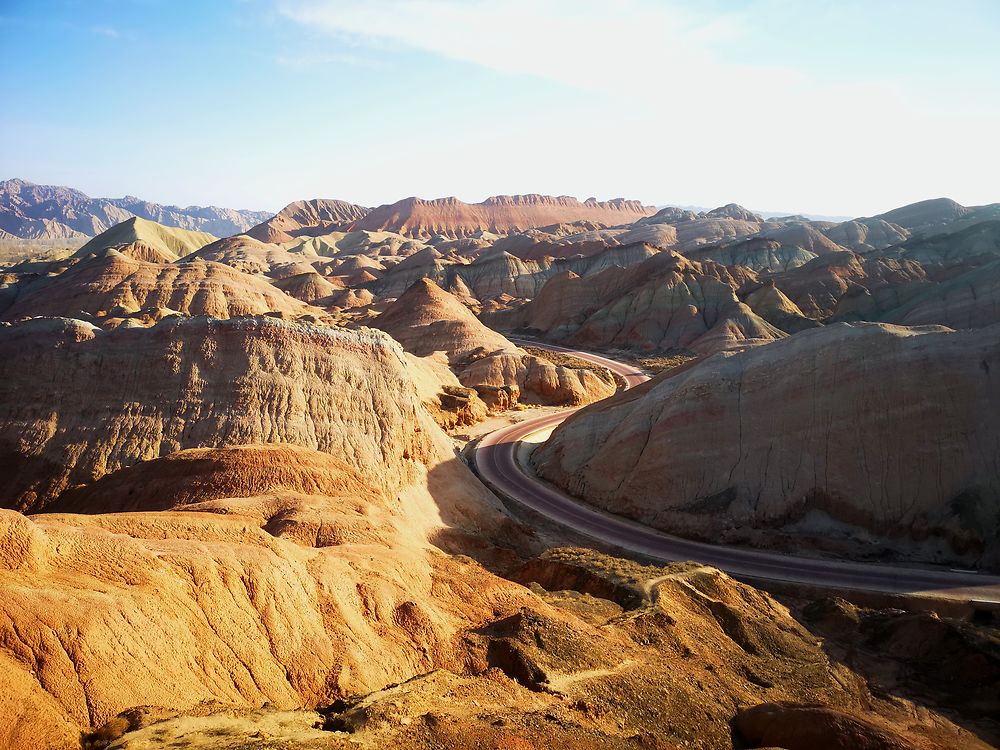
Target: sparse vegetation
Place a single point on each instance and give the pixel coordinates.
(566, 360)
(16, 250)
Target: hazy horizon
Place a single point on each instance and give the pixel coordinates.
(186, 204)
(257, 103)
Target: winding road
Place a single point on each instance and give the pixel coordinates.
(497, 461)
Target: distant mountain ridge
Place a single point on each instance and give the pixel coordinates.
(447, 217)
(55, 212)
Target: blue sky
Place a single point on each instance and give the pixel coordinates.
(825, 107)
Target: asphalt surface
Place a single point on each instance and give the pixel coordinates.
(496, 459)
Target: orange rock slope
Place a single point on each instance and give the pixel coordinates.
(289, 561)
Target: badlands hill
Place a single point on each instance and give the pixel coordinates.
(663, 303)
(307, 219)
(114, 285)
(494, 274)
(155, 391)
(500, 214)
(301, 570)
(52, 212)
(164, 242)
(429, 321)
(850, 437)
(447, 218)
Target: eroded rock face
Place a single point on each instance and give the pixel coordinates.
(53, 211)
(287, 598)
(287, 561)
(833, 432)
(671, 669)
(111, 399)
(497, 273)
(662, 303)
(849, 284)
(922, 652)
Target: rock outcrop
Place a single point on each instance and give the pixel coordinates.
(771, 304)
(261, 531)
(797, 727)
(287, 598)
(668, 669)
(833, 435)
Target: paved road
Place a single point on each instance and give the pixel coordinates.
(497, 461)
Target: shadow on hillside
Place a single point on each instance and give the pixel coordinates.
(946, 664)
(477, 522)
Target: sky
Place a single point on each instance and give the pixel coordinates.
(839, 107)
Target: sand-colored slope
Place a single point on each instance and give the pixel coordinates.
(496, 273)
(372, 244)
(300, 569)
(309, 287)
(276, 491)
(427, 319)
(608, 651)
(284, 598)
(251, 256)
(770, 303)
(170, 241)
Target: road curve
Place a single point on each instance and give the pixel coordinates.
(496, 461)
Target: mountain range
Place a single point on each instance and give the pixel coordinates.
(53, 212)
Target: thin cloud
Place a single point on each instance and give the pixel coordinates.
(682, 82)
(629, 47)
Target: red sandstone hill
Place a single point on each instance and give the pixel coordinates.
(307, 219)
(415, 217)
(501, 214)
